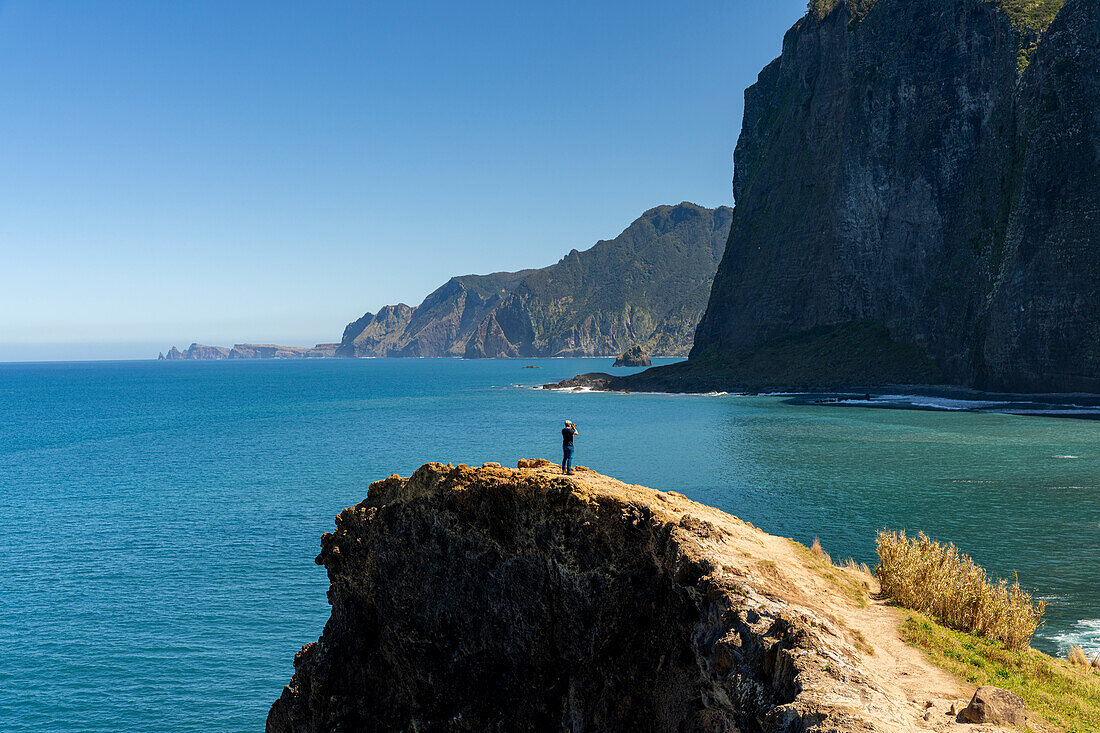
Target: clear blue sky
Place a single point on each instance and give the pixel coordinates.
(228, 171)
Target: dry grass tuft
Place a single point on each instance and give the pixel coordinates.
(853, 585)
(949, 586)
(1096, 661)
(1076, 656)
(857, 567)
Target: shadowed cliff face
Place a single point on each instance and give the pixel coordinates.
(895, 166)
(647, 286)
(1044, 314)
(496, 599)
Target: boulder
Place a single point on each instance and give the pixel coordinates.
(994, 705)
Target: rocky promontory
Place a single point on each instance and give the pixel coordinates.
(473, 599)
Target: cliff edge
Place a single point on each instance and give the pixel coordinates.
(521, 599)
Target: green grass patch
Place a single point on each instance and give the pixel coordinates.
(1065, 696)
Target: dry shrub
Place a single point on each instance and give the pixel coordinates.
(815, 548)
(857, 567)
(1076, 656)
(949, 586)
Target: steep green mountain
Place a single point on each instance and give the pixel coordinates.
(917, 183)
(646, 287)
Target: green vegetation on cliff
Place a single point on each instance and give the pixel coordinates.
(857, 9)
(1029, 18)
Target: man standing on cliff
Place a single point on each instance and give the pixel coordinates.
(567, 434)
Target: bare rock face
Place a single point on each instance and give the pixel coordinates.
(994, 705)
(482, 599)
(633, 357)
(902, 163)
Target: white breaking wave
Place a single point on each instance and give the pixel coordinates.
(1085, 634)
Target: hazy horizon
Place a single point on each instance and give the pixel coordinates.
(224, 173)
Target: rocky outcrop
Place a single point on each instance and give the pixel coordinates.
(633, 357)
(472, 599)
(931, 167)
(647, 286)
(994, 705)
(251, 351)
(198, 351)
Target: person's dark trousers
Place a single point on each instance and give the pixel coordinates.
(567, 459)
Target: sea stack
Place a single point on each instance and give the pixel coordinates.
(633, 357)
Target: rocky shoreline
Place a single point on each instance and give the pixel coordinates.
(890, 396)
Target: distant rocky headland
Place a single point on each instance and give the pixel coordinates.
(249, 351)
(492, 598)
(648, 286)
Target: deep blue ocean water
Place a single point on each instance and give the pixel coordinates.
(159, 520)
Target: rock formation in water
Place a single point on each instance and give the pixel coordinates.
(633, 357)
(921, 178)
(474, 599)
(251, 351)
(647, 286)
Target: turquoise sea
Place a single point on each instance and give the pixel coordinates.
(159, 520)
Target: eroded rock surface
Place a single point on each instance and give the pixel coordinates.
(901, 163)
(633, 357)
(502, 599)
